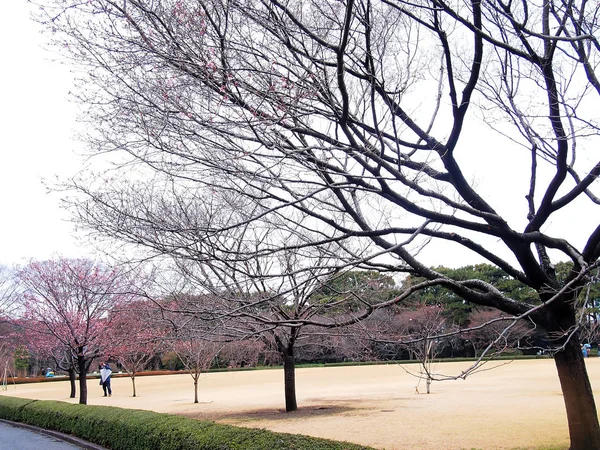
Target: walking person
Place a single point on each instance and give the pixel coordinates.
(105, 373)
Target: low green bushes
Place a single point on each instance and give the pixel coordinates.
(130, 429)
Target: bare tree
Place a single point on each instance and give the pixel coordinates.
(488, 332)
(8, 292)
(420, 332)
(197, 349)
(334, 345)
(8, 301)
(589, 310)
(365, 115)
(258, 290)
(237, 354)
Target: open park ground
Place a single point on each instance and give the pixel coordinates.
(516, 405)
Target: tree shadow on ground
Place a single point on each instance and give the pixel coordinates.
(272, 414)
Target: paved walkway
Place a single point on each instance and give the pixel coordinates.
(15, 436)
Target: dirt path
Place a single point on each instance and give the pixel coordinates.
(516, 405)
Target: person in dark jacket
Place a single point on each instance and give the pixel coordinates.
(105, 373)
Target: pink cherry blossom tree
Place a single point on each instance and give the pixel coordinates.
(48, 347)
(197, 351)
(69, 300)
(489, 332)
(134, 338)
(246, 353)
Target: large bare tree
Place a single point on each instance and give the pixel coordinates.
(369, 116)
(260, 281)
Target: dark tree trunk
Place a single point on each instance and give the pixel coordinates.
(196, 376)
(72, 378)
(285, 347)
(582, 416)
(133, 382)
(289, 379)
(82, 367)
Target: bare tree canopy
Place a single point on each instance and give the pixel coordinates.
(363, 116)
(8, 292)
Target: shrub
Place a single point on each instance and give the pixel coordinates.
(128, 429)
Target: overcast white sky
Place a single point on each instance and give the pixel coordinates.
(37, 124)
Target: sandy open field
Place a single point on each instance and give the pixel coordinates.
(518, 405)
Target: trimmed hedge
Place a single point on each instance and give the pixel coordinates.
(131, 429)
